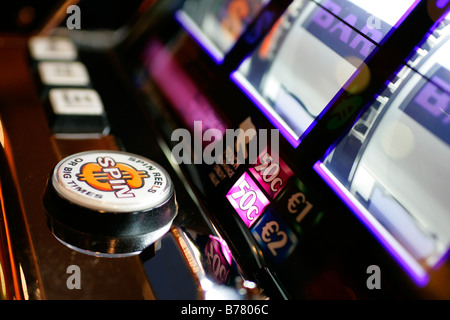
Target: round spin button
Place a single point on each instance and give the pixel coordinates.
(109, 203)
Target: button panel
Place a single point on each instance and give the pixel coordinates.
(71, 104)
(274, 205)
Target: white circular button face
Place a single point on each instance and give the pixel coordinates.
(112, 181)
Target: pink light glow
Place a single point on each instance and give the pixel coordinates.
(247, 199)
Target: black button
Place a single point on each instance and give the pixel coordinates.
(109, 203)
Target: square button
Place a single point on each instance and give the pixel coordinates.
(299, 208)
(274, 236)
(76, 102)
(52, 48)
(63, 73)
(73, 110)
(271, 172)
(247, 199)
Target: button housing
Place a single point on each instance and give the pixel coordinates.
(109, 203)
(76, 110)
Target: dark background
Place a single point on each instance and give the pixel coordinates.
(28, 16)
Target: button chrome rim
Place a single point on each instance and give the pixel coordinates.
(89, 216)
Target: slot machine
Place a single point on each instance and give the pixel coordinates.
(236, 149)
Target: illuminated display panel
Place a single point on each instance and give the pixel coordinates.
(216, 25)
(310, 54)
(392, 168)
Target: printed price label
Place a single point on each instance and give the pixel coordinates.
(272, 173)
(274, 236)
(247, 199)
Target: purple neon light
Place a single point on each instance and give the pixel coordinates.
(442, 3)
(400, 21)
(409, 264)
(195, 32)
(237, 78)
(439, 4)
